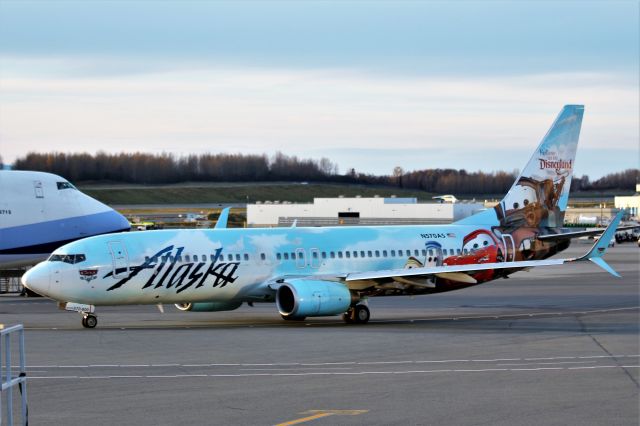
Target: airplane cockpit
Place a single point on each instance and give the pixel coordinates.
(67, 258)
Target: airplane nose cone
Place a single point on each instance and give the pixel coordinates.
(37, 279)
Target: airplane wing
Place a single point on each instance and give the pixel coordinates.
(458, 272)
(577, 234)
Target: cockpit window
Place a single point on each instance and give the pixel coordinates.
(68, 258)
(65, 185)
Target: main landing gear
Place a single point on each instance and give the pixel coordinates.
(89, 320)
(358, 314)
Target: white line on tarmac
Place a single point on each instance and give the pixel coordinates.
(329, 373)
(548, 363)
(317, 364)
(335, 373)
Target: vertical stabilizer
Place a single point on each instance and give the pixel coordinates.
(539, 196)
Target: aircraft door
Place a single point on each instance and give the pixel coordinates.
(38, 189)
(301, 260)
(509, 247)
(433, 255)
(120, 259)
(315, 258)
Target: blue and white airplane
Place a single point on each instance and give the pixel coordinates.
(40, 212)
(311, 272)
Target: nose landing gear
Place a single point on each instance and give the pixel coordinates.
(89, 320)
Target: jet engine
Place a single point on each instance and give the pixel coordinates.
(208, 306)
(300, 298)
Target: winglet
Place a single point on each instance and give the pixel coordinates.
(600, 247)
(223, 218)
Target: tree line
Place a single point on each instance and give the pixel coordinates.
(144, 168)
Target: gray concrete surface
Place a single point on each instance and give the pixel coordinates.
(554, 346)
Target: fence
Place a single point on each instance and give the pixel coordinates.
(8, 380)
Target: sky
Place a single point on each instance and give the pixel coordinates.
(370, 85)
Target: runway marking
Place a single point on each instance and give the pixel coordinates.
(550, 363)
(335, 373)
(337, 363)
(294, 368)
(318, 414)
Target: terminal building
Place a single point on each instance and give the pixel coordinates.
(358, 211)
(630, 203)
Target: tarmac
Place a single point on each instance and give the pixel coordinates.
(551, 346)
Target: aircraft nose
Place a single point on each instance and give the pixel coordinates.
(37, 279)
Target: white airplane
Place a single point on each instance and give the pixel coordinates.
(40, 212)
(311, 272)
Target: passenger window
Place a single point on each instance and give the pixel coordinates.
(458, 251)
(278, 256)
(212, 257)
(355, 254)
(146, 259)
(286, 256)
(347, 254)
(465, 251)
(377, 253)
(416, 253)
(369, 254)
(186, 258)
(430, 252)
(293, 255)
(263, 256)
(424, 252)
(333, 255)
(393, 253)
(340, 254)
(237, 257)
(179, 259)
(246, 256)
(361, 253)
(324, 254)
(384, 253)
(314, 254)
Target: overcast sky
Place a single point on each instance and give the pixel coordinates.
(370, 85)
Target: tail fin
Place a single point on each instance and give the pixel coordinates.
(539, 196)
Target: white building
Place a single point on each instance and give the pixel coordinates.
(631, 203)
(358, 211)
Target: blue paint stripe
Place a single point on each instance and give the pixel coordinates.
(62, 229)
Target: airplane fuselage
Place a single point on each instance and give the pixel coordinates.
(179, 266)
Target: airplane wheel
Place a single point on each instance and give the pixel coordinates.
(361, 314)
(348, 316)
(293, 318)
(89, 321)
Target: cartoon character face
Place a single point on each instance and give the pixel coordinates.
(520, 197)
(478, 240)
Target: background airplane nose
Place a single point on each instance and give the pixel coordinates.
(37, 279)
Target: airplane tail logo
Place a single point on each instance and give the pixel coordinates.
(539, 196)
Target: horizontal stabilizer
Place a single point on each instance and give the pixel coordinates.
(600, 247)
(578, 234)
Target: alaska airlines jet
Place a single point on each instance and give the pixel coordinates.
(311, 272)
(40, 212)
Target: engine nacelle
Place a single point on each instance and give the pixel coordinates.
(208, 306)
(298, 298)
